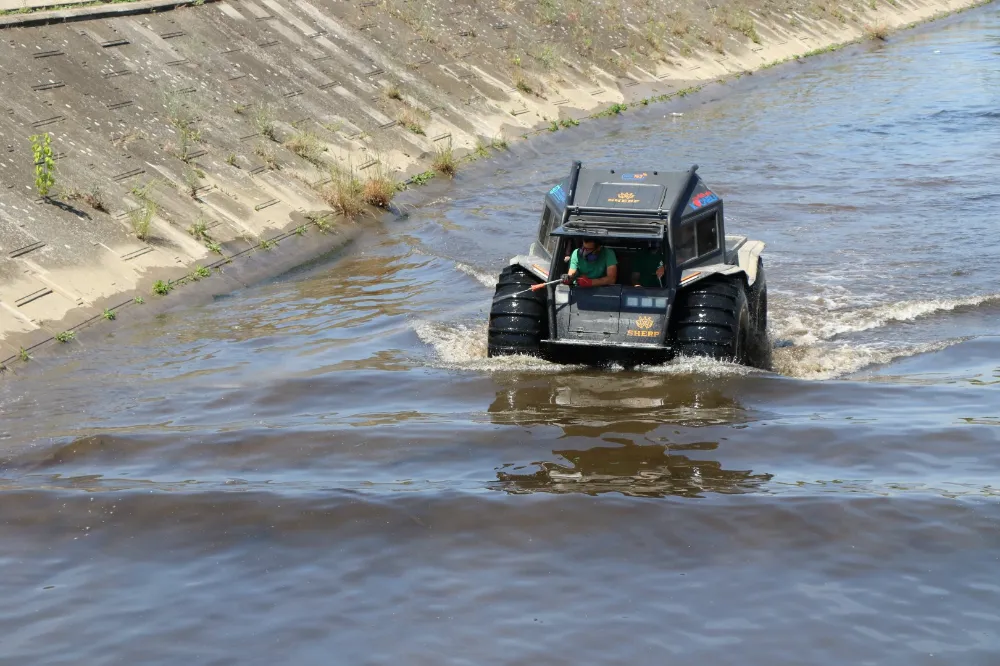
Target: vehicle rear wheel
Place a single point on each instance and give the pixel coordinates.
(517, 323)
(712, 318)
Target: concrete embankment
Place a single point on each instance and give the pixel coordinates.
(187, 137)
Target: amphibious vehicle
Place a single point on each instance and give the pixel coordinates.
(707, 296)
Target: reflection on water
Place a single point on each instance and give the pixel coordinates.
(633, 470)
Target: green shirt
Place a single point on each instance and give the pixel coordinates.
(593, 269)
(645, 264)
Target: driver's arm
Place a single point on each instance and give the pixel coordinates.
(610, 278)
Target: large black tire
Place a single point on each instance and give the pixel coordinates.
(518, 324)
(712, 318)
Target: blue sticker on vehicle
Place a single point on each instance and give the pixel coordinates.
(703, 199)
(635, 176)
(558, 193)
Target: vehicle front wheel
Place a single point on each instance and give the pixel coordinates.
(712, 318)
(518, 321)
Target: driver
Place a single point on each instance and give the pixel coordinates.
(596, 265)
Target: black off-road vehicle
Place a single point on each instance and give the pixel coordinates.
(711, 300)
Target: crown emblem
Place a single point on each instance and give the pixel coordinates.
(644, 322)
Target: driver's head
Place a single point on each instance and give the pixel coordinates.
(589, 249)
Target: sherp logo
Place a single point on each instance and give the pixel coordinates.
(644, 322)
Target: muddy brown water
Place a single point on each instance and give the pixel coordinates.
(325, 469)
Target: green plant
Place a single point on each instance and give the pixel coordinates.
(24, 355)
(499, 142)
(199, 229)
(201, 272)
(45, 166)
(239, 109)
(139, 300)
(612, 110)
(191, 181)
(572, 122)
(266, 244)
(547, 57)
(65, 336)
(301, 230)
(263, 120)
(522, 84)
(109, 314)
(444, 161)
(214, 247)
(409, 119)
(553, 126)
(422, 178)
(481, 150)
(231, 159)
(162, 288)
(307, 146)
(741, 21)
(141, 218)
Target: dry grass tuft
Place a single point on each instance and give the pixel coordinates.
(380, 186)
(878, 30)
(307, 146)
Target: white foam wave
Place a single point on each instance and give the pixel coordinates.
(826, 361)
(810, 327)
(464, 347)
(485, 279)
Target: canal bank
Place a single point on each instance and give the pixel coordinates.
(198, 138)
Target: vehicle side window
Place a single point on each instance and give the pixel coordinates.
(545, 227)
(685, 243)
(708, 235)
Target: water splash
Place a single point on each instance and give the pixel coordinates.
(483, 278)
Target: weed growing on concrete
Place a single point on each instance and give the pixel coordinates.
(422, 178)
(499, 142)
(444, 161)
(393, 92)
(239, 108)
(65, 336)
(742, 22)
(266, 244)
(109, 314)
(345, 193)
(522, 84)
(263, 120)
(547, 57)
(553, 126)
(320, 220)
(199, 229)
(267, 155)
(878, 30)
(482, 149)
(569, 122)
(307, 146)
(231, 160)
(191, 182)
(301, 230)
(380, 186)
(45, 166)
(214, 247)
(409, 119)
(24, 355)
(141, 218)
(162, 288)
(611, 111)
(201, 272)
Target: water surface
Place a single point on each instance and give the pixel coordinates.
(327, 469)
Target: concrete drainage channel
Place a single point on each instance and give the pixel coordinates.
(182, 140)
